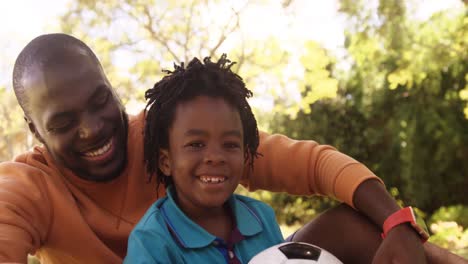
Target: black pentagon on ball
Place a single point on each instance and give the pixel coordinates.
(300, 251)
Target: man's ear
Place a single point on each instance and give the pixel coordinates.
(164, 162)
(33, 129)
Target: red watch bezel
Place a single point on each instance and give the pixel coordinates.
(404, 215)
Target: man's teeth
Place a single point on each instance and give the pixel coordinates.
(99, 151)
(208, 179)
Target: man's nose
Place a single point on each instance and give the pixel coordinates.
(90, 126)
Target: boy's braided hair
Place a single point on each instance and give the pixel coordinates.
(207, 78)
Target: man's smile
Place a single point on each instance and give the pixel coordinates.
(100, 153)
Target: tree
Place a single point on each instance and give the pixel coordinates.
(154, 35)
(400, 107)
(423, 67)
(13, 128)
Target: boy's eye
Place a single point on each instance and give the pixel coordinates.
(195, 145)
(232, 145)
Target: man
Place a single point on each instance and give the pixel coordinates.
(76, 198)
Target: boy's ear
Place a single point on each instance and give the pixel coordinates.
(33, 129)
(164, 162)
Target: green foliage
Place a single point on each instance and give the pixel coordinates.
(456, 213)
(153, 37)
(33, 260)
(400, 108)
(292, 210)
(318, 82)
(449, 228)
(418, 114)
(451, 236)
(13, 128)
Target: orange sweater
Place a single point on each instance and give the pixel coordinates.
(48, 211)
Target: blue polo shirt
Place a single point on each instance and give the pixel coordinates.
(166, 235)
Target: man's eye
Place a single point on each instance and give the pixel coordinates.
(59, 127)
(101, 99)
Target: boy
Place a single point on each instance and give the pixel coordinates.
(200, 132)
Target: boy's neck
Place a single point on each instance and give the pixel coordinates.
(218, 221)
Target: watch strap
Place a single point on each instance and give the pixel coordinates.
(404, 215)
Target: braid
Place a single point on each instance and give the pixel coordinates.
(214, 79)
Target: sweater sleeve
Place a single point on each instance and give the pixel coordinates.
(305, 168)
(25, 211)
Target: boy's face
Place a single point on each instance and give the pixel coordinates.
(206, 153)
(74, 112)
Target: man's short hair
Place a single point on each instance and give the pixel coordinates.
(41, 52)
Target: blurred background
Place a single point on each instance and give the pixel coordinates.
(382, 81)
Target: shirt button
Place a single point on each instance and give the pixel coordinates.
(231, 254)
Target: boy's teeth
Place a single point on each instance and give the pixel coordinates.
(208, 179)
(99, 151)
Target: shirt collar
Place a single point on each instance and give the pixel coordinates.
(190, 235)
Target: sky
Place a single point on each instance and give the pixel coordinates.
(22, 20)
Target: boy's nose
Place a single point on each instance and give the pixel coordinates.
(214, 156)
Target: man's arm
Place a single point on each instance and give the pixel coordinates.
(25, 211)
(305, 168)
(403, 244)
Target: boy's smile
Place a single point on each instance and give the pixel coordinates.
(206, 153)
(212, 179)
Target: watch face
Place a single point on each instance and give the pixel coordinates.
(420, 226)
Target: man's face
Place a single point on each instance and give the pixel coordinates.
(75, 113)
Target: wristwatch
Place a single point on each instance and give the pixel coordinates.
(406, 215)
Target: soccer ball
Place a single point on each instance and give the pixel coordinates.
(294, 253)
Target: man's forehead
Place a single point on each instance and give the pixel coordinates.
(33, 77)
(62, 73)
(50, 87)
(69, 56)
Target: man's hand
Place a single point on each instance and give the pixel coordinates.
(401, 246)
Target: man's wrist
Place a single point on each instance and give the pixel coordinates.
(372, 199)
(406, 217)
